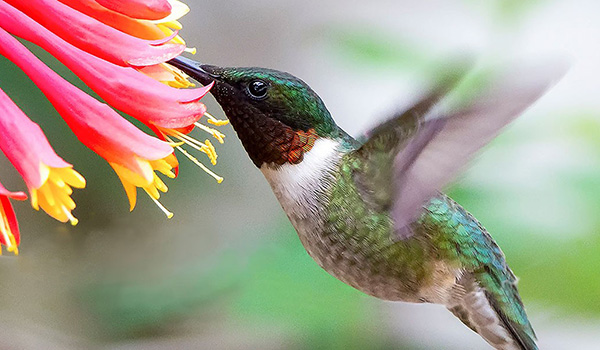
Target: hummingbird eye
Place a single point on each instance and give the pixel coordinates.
(257, 89)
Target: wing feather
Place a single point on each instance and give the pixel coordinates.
(428, 144)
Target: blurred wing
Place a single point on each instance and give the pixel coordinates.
(384, 142)
(434, 147)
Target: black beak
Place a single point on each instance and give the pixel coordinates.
(202, 73)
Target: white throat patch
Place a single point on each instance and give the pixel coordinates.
(298, 187)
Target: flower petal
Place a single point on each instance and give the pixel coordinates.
(179, 9)
(142, 9)
(94, 123)
(152, 185)
(92, 35)
(20, 196)
(138, 28)
(54, 196)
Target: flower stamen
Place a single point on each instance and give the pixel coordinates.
(9, 238)
(199, 164)
(205, 147)
(148, 180)
(164, 168)
(168, 213)
(73, 220)
(214, 121)
(190, 50)
(214, 132)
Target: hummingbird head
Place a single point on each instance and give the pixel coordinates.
(277, 116)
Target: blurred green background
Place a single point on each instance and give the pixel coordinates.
(228, 271)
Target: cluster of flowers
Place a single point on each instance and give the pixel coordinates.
(118, 48)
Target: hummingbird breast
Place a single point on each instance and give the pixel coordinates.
(351, 241)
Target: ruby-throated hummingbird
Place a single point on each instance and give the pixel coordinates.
(369, 212)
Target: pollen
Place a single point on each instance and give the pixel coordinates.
(54, 195)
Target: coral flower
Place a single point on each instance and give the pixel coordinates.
(119, 48)
(9, 228)
(48, 177)
(97, 126)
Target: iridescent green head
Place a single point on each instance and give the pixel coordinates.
(276, 115)
(271, 94)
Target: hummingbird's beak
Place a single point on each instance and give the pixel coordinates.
(202, 73)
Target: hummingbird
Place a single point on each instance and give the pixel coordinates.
(371, 212)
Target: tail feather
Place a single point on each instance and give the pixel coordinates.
(524, 338)
(479, 311)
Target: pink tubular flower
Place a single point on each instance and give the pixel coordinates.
(168, 111)
(9, 228)
(133, 154)
(48, 177)
(94, 36)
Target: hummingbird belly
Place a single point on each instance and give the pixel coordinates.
(386, 269)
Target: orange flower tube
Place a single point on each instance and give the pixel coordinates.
(139, 28)
(156, 105)
(142, 9)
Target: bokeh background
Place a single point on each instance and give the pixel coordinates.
(228, 271)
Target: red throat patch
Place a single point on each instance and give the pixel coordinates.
(301, 143)
(294, 144)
